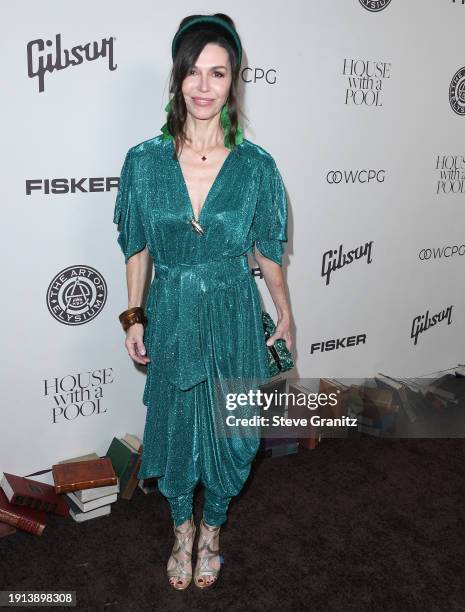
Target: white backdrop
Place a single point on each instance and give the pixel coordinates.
(68, 384)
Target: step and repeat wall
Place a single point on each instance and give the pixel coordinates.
(362, 105)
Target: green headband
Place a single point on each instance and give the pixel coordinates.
(230, 32)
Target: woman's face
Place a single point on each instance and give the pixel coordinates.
(206, 86)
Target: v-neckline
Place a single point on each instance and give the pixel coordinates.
(210, 191)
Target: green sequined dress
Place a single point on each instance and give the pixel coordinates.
(203, 306)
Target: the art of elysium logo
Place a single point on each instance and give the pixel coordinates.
(457, 92)
(374, 5)
(76, 295)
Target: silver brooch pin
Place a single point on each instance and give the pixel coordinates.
(196, 226)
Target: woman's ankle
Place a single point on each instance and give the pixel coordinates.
(185, 524)
(211, 525)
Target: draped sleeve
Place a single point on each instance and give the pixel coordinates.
(269, 228)
(131, 237)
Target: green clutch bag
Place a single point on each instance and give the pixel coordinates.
(279, 356)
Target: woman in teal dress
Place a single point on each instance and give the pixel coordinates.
(196, 211)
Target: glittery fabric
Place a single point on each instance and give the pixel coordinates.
(203, 310)
(214, 510)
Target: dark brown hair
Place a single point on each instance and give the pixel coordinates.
(190, 47)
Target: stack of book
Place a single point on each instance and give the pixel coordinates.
(375, 409)
(24, 504)
(89, 485)
(406, 393)
(432, 404)
(92, 483)
(361, 407)
(84, 487)
(450, 388)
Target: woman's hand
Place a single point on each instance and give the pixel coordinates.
(135, 343)
(283, 330)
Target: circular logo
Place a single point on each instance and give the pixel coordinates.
(457, 92)
(374, 5)
(76, 295)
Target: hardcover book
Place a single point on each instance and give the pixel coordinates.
(27, 492)
(83, 475)
(22, 517)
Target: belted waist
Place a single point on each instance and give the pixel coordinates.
(183, 285)
(208, 274)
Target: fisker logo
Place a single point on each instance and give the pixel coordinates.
(76, 295)
(457, 92)
(39, 61)
(338, 343)
(60, 186)
(375, 5)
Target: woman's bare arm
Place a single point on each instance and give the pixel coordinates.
(274, 279)
(138, 268)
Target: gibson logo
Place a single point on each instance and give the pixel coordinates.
(331, 263)
(421, 323)
(40, 61)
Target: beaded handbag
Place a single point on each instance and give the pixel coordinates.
(279, 356)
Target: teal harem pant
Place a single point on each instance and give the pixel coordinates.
(205, 340)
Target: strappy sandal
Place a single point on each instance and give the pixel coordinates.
(183, 568)
(204, 554)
